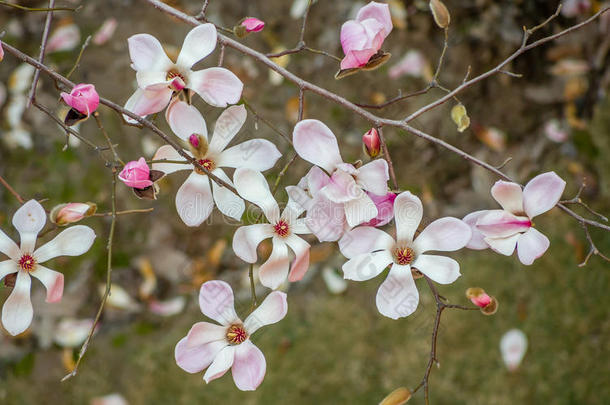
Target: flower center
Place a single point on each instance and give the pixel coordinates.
(27, 262)
(281, 228)
(236, 334)
(178, 81)
(404, 255)
(207, 163)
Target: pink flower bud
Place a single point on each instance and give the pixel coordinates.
(177, 84)
(65, 214)
(481, 301)
(372, 144)
(253, 24)
(136, 174)
(83, 98)
(194, 140)
(478, 296)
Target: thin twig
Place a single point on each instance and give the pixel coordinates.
(11, 190)
(593, 250)
(387, 157)
(43, 46)
(24, 8)
(267, 122)
(78, 58)
(138, 211)
(252, 288)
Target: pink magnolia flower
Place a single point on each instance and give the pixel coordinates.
(253, 24)
(64, 38)
(136, 174)
(25, 260)
(512, 227)
(158, 77)
(106, 31)
(83, 98)
(65, 214)
(362, 38)
(385, 209)
(371, 142)
(370, 251)
(228, 346)
(283, 228)
(316, 143)
(195, 198)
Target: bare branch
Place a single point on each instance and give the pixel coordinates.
(43, 46)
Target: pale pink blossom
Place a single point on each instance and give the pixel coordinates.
(513, 346)
(371, 142)
(25, 260)
(573, 8)
(159, 77)
(83, 98)
(136, 174)
(511, 227)
(385, 209)
(196, 198)
(71, 212)
(71, 332)
(105, 32)
(414, 64)
(362, 38)
(283, 228)
(347, 185)
(64, 38)
(228, 346)
(370, 250)
(253, 24)
(554, 130)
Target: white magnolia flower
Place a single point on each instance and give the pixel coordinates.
(283, 228)
(25, 260)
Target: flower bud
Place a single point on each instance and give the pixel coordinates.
(397, 397)
(459, 115)
(478, 296)
(440, 13)
(248, 25)
(372, 143)
(83, 98)
(198, 145)
(136, 174)
(69, 213)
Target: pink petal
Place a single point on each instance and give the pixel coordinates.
(253, 186)
(301, 262)
(316, 143)
(367, 265)
(227, 126)
(272, 310)
(247, 238)
(445, 234)
(408, 212)
(397, 296)
(198, 43)
(374, 177)
(542, 193)
(202, 333)
(194, 200)
(8, 247)
(357, 58)
(341, 188)
(364, 239)
(500, 224)
(147, 54)
(531, 245)
(316, 180)
(29, 220)
(443, 270)
(17, 312)
(146, 102)
(385, 209)
(185, 120)
(217, 86)
(477, 240)
(255, 154)
(167, 152)
(505, 246)
(298, 200)
(326, 219)
(249, 367)
(360, 210)
(509, 196)
(253, 24)
(379, 12)
(52, 280)
(221, 364)
(217, 302)
(73, 241)
(353, 36)
(274, 271)
(227, 202)
(196, 358)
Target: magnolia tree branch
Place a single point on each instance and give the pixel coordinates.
(11, 190)
(43, 46)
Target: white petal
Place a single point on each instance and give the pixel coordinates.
(513, 346)
(367, 265)
(221, 364)
(445, 234)
(217, 86)
(272, 310)
(185, 120)
(73, 241)
(443, 270)
(152, 80)
(505, 246)
(247, 238)
(316, 143)
(274, 271)
(297, 201)
(217, 302)
(374, 177)
(408, 212)
(227, 202)
(509, 195)
(146, 53)
(202, 333)
(167, 152)
(227, 126)
(397, 296)
(255, 154)
(531, 245)
(477, 240)
(301, 252)
(8, 247)
(52, 280)
(542, 193)
(196, 358)
(300, 227)
(359, 210)
(8, 267)
(253, 186)
(17, 311)
(249, 366)
(146, 102)
(198, 43)
(364, 239)
(29, 219)
(194, 200)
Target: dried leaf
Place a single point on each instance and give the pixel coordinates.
(459, 115)
(440, 13)
(397, 397)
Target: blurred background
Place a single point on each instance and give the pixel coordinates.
(333, 346)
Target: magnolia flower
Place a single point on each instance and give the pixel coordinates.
(513, 346)
(316, 143)
(512, 227)
(25, 260)
(414, 63)
(64, 38)
(221, 347)
(83, 98)
(252, 24)
(370, 251)
(282, 228)
(158, 77)
(362, 38)
(371, 142)
(572, 8)
(136, 174)
(195, 198)
(105, 32)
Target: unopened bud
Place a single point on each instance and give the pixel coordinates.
(397, 397)
(440, 13)
(478, 296)
(371, 143)
(65, 214)
(198, 145)
(459, 115)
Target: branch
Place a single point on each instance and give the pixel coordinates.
(11, 190)
(43, 46)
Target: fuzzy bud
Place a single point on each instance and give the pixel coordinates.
(459, 115)
(440, 13)
(478, 296)
(397, 397)
(371, 143)
(70, 213)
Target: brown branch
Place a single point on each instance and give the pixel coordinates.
(396, 99)
(137, 211)
(387, 157)
(11, 190)
(43, 46)
(24, 8)
(593, 250)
